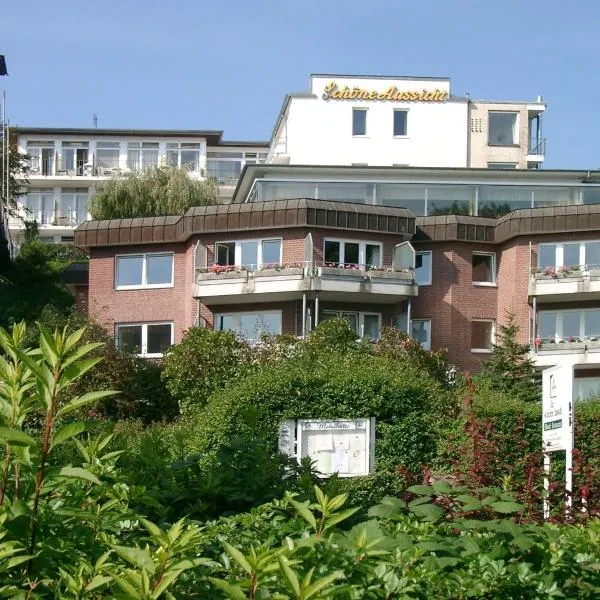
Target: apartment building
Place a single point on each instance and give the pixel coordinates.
(441, 253)
(66, 165)
(404, 121)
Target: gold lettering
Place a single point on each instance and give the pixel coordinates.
(332, 92)
(330, 87)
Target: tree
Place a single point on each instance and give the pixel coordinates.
(11, 189)
(151, 193)
(510, 370)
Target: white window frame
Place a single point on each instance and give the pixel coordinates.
(559, 253)
(430, 279)
(516, 140)
(177, 148)
(237, 316)
(404, 110)
(361, 318)
(492, 283)
(144, 325)
(362, 250)
(493, 336)
(366, 111)
(427, 344)
(559, 334)
(144, 285)
(259, 252)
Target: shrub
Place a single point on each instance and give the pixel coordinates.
(204, 361)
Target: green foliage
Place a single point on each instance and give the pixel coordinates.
(332, 335)
(509, 370)
(204, 361)
(155, 192)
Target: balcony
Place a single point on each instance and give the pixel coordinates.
(565, 284)
(275, 283)
(573, 350)
(536, 150)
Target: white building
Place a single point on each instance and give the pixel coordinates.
(67, 164)
(404, 121)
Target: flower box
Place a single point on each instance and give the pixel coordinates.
(404, 275)
(341, 272)
(279, 271)
(222, 275)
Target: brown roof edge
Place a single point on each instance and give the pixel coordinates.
(298, 212)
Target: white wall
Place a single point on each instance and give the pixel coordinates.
(319, 131)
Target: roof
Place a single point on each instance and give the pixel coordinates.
(378, 76)
(244, 217)
(214, 137)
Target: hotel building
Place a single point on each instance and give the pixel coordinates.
(444, 253)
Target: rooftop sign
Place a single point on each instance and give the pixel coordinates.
(333, 92)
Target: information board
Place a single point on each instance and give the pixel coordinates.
(337, 446)
(557, 408)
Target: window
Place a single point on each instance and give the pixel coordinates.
(569, 325)
(421, 332)
(144, 270)
(501, 165)
(484, 268)
(364, 325)
(41, 161)
(400, 122)
(249, 254)
(226, 167)
(502, 128)
(183, 156)
(363, 254)
(482, 335)
(75, 159)
(142, 155)
(585, 255)
(423, 268)
(359, 121)
(40, 206)
(144, 339)
(73, 206)
(252, 325)
(107, 157)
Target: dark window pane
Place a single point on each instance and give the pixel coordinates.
(332, 252)
(481, 335)
(423, 268)
(159, 269)
(249, 254)
(571, 255)
(371, 327)
(351, 253)
(129, 338)
(373, 255)
(271, 252)
(502, 129)
(400, 122)
(547, 256)
(225, 254)
(159, 338)
(420, 332)
(483, 268)
(129, 270)
(547, 325)
(359, 121)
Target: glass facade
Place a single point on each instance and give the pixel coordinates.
(429, 199)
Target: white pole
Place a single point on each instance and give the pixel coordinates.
(303, 315)
(569, 462)
(546, 485)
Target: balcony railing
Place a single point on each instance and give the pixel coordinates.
(572, 343)
(537, 147)
(565, 273)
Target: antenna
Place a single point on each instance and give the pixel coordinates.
(95, 119)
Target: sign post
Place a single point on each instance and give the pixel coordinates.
(557, 425)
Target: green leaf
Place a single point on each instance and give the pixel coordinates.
(77, 369)
(239, 558)
(337, 517)
(80, 401)
(428, 512)
(137, 557)
(304, 512)
(73, 339)
(48, 346)
(96, 582)
(79, 473)
(80, 352)
(16, 436)
(154, 530)
(322, 583)
(421, 490)
(289, 574)
(442, 487)
(506, 507)
(388, 507)
(233, 591)
(66, 433)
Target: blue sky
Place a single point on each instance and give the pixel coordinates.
(227, 64)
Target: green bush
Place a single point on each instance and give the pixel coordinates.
(204, 361)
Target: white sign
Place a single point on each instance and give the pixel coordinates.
(338, 446)
(557, 408)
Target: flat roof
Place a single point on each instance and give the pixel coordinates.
(378, 76)
(214, 137)
(465, 175)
